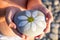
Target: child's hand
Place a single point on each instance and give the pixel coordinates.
(10, 12)
(32, 5)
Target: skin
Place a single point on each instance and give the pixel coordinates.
(12, 7)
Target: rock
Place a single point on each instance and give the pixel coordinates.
(56, 2)
(30, 23)
(53, 36)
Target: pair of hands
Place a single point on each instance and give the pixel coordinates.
(35, 6)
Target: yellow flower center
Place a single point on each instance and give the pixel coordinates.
(30, 19)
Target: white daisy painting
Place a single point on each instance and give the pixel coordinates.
(32, 23)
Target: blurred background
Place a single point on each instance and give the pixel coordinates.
(54, 7)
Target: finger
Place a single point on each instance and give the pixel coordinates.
(50, 17)
(29, 38)
(10, 12)
(47, 30)
(24, 36)
(10, 25)
(14, 26)
(40, 36)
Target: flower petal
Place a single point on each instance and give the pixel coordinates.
(28, 14)
(23, 23)
(22, 17)
(41, 24)
(34, 14)
(40, 18)
(33, 27)
(27, 26)
(44, 24)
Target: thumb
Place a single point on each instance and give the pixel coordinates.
(12, 25)
(47, 30)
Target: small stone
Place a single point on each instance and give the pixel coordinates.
(30, 22)
(54, 36)
(55, 30)
(55, 25)
(58, 19)
(56, 2)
